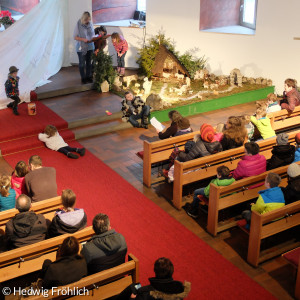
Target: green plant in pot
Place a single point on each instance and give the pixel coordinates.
(103, 70)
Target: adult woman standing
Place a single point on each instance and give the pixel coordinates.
(83, 33)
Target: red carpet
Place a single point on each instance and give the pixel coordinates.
(149, 231)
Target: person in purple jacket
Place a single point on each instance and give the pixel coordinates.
(251, 164)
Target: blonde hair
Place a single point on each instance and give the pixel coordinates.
(85, 16)
(68, 199)
(4, 185)
(261, 104)
(50, 130)
(236, 131)
(272, 97)
(116, 36)
(220, 128)
(261, 112)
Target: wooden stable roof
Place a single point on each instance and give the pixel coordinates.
(160, 58)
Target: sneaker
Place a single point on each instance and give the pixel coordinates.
(81, 151)
(10, 105)
(72, 155)
(192, 213)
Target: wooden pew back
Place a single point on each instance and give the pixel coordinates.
(284, 119)
(28, 259)
(104, 284)
(268, 224)
(46, 207)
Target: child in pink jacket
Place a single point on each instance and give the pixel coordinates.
(121, 47)
(18, 178)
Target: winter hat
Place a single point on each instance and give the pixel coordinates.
(207, 133)
(282, 139)
(13, 69)
(297, 138)
(293, 170)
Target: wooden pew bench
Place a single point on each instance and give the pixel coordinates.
(46, 207)
(269, 224)
(284, 119)
(206, 167)
(101, 285)
(28, 259)
(239, 192)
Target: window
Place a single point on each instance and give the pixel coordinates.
(141, 5)
(248, 13)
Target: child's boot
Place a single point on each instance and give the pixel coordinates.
(15, 108)
(10, 105)
(80, 151)
(72, 155)
(118, 70)
(122, 72)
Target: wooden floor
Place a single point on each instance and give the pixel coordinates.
(118, 150)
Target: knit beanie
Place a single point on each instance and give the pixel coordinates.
(282, 139)
(297, 138)
(293, 170)
(207, 133)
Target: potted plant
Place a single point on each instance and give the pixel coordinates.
(6, 19)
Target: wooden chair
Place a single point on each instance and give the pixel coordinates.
(28, 259)
(269, 224)
(239, 192)
(205, 167)
(102, 285)
(46, 207)
(284, 119)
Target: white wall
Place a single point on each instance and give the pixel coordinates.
(270, 53)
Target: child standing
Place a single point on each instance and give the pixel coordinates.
(269, 199)
(273, 104)
(12, 89)
(297, 152)
(224, 178)
(263, 124)
(121, 47)
(7, 194)
(18, 178)
(291, 97)
(55, 142)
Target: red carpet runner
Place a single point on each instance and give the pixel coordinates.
(149, 231)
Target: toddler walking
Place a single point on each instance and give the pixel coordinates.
(55, 142)
(12, 89)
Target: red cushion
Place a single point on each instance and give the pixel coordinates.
(140, 154)
(293, 257)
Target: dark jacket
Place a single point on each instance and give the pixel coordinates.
(64, 270)
(170, 131)
(282, 155)
(129, 108)
(164, 289)
(200, 149)
(228, 143)
(67, 222)
(25, 228)
(292, 191)
(9, 88)
(104, 251)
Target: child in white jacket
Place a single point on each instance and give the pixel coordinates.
(55, 142)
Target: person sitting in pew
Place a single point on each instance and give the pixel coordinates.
(283, 153)
(269, 199)
(26, 227)
(234, 135)
(40, 181)
(224, 178)
(18, 178)
(292, 191)
(273, 104)
(7, 194)
(251, 164)
(162, 286)
(291, 96)
(68, 267)
(106, 249)
(67, 219)
(297, 152)
(171, 131)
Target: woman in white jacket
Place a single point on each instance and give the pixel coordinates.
(55, 142)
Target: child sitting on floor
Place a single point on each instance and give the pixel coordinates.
(224, 178)
(7, 194)
(263, 124)
(55, 142)
(297, 152)
(269, 199)
(273, 104)
(18, 178)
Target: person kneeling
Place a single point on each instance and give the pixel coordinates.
(134, 109)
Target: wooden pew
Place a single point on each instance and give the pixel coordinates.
(284, 119)
(104, 284)
(268, 224)
(46, 207)
(239, 192)
(28, 259)
(160, 151)
(205, 167)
